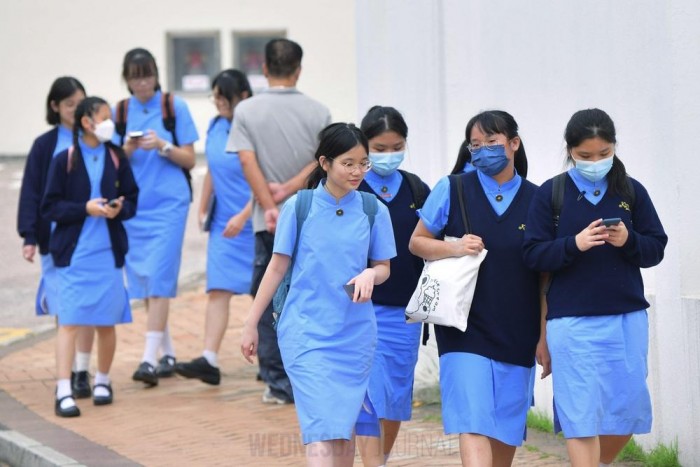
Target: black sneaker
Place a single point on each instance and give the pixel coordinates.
(80, 383)
(166, 367)
(146, 373)
(201, 369)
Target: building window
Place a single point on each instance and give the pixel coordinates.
(249, 54)
(193, 59)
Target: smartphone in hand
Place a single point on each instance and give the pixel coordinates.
(113, 203)
(611, 221)
(350, 290)
(135, 134)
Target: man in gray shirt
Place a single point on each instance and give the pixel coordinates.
(275, 134)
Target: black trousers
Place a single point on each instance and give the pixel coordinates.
(269, 358)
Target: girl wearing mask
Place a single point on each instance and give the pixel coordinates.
(230, 247)
(597, 327)
(487, 372)
(327, 339)
(157, 231)
(391, 381)
(90, 191)
(65, 95)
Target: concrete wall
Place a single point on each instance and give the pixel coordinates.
(42, 39)
(440, 62)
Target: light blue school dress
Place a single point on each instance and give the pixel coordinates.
(327, 342)
(156, 232)
(229, 260)
(47, 283)
(91, 292)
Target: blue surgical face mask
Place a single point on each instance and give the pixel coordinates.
(386, 163)
(594, 171)
(490, 160)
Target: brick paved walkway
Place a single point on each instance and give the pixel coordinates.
(184, 422)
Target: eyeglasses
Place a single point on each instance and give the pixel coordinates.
(362, 166)
(214, 98)
(141, 79)
(490, 146)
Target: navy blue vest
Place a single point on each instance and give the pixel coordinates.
(504, 321)
(405, 267)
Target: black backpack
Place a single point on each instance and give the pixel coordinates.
(167, 107)
(558, 188)
(420, 194)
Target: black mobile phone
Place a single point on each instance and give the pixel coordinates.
(113, 203)
(350, 290)
(611, 221)
(135, 134)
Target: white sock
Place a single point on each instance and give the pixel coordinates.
(101, 378)
(150, 352)
(211, 357)
(82, 361)
(166, 345)
(63, 389)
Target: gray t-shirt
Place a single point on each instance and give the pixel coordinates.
(281, 125)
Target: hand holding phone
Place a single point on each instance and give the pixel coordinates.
(609, 222)
(135, 134)
(113, 203)
(350, 290)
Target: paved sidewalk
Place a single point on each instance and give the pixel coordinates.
(185, 422)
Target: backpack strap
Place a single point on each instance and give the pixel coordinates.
(302, 208)
(418, 190)
(558, 188)
(69, 162)
(115, 157)
(120, 121)
(369, 206)
(167, 109)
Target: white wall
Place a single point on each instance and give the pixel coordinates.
(442, 62)
(43, 39)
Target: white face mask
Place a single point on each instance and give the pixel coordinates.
(104, 130)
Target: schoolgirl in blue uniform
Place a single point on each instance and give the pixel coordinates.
(157, 232)
(90, 191)
(487, 372)
(230, 248)
(326, 339)
(597, 328)
(391, 382)
(65, 95)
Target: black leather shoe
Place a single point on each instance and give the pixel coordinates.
(201, 369)
(69, 412)
(146, 373)
(166, 367)
(103, 400)
(80, 384)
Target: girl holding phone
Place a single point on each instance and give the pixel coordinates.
(157, 232)
(327, 341)
(597, 326)
(88, 245)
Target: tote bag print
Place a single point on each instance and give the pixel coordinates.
(445, 291)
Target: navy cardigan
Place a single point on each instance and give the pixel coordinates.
(30, 225)
(67, 194)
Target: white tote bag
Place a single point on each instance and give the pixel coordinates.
(445, 291)
(446, 286)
